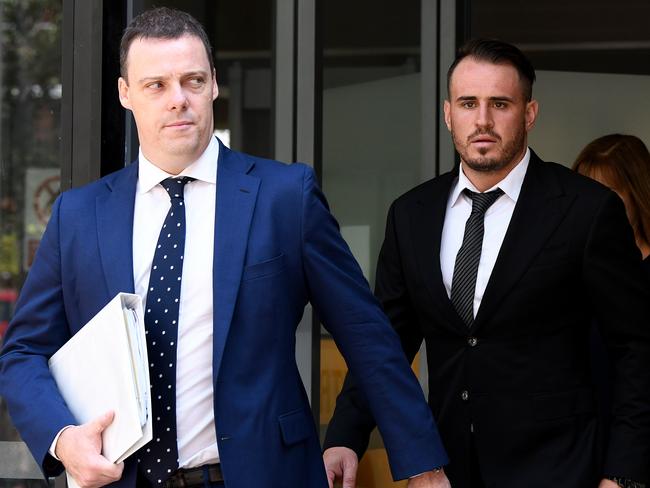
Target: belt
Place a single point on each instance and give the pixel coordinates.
(185, 478)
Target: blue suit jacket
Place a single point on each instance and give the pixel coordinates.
(276, 248)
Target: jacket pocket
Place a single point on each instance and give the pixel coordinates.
(265, 268)
(551, 406)
(296, 426)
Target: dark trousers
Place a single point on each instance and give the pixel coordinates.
(476, 480)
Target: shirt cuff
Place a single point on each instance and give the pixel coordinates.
(425, 472)
(56, 439)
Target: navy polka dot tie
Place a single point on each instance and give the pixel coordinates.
(159, 458)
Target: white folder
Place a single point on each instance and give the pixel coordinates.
(104, 367)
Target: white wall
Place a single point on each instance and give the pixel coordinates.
(371, 155)
(576, 108)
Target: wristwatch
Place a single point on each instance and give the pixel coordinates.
(626, 482)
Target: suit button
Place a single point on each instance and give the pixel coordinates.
(464, 395)
(472, 341)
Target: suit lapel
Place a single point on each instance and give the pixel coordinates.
(235, 203)
(427, 221)
(541, 206)
(114, 212)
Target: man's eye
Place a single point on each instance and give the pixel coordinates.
(499, 105)
(197, 81)
(155, 85)
(469, 104)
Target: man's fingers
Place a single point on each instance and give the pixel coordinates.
(331, 476)
(349, 479)
(100, 423)
(80, 447)
(341, 463)
(99, 472)
(350, 466)
(112, 471)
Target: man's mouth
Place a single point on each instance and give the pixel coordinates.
(483, 140)
(180, 124)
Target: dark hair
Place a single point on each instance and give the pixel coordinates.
(497, 52)
(162, 23)
(623, 161)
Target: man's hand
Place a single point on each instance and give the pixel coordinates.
(608, 484)
(80, 450)
(430, 479)
(341, 464)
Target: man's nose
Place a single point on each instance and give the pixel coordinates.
(177, 97)
(484, 117)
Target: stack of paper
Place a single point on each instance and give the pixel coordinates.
(104, 367)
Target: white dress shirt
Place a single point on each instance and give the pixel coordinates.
(197, 441)
(497, 219)
(196, 434)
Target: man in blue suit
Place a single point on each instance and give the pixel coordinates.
(225, 249)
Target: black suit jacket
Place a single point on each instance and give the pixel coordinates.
(520, 376)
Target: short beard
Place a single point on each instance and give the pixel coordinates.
(484, 164)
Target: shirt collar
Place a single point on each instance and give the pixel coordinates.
(204, 169)
(511, 184)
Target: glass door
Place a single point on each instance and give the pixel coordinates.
(593, 66)
(30, 148)
(241, 35)
(371, 152)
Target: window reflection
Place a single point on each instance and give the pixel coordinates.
(30, 98)
(240, 32)
(371, 153)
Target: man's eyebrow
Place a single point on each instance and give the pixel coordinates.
(151, 78)
(194, 73)
(466, 98)
(162, 77)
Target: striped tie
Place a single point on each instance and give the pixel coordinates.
(463, 283)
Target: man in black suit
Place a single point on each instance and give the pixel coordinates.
(501, 266)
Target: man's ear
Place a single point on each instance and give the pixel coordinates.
(447, 109)
(532, 109)
(123, 92)
(215, 87)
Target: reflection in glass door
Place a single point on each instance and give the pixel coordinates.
(593, 63)
(371, 152)
(593, 66)
(241, 36)
(30, 98)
